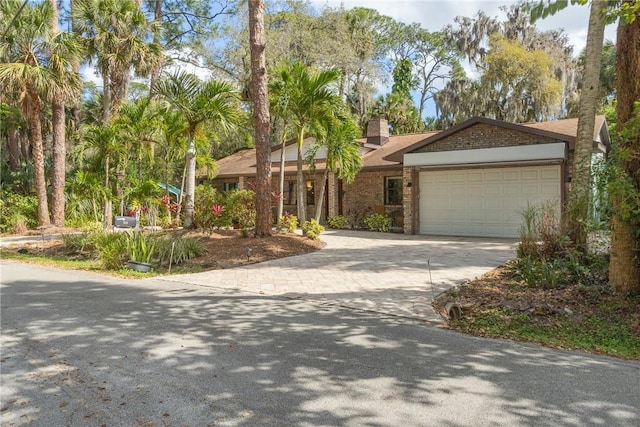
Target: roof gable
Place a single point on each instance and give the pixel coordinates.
(557, 130)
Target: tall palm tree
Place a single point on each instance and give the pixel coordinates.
(199, 102)
(58, 124)
(116, 34)
(309, 98)
(337, 134)
(589, 99)
(36, 67)
(104, 142)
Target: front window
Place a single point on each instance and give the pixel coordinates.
(229, 186)
(290, 198)
(393, 190)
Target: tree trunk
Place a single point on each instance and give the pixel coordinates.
(281, 186)
(323, 188)
(108, 211)
(37, 153)
(261, 118)
(155, 72)
(59, 167)
(190, 189)
(624, 266)
(14, 149)
(301, 193)
(580, 195)
(106, 96)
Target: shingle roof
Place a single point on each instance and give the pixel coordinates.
(565, 130)
(243, 163)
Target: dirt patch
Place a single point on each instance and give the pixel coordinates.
(225, 248)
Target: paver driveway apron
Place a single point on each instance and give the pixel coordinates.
(381, 272)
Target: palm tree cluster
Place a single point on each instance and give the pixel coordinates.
(96, 152)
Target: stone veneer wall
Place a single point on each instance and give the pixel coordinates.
(366, 193)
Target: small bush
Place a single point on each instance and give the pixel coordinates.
(111, 248)
(240, 208)
(377, 222)
(338, 222)
(140, 247)
(312, 229)
(288, 223)
(184, 249)
(78, 242)
(18, 213)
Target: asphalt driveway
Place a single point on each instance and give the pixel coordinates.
(386, 273)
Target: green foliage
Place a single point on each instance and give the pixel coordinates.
(312, 229)
(377, 222)
(140, 247)
(288, 223)
(546, 256)
(110, 248)
(240, 208)
(205, 197)
(18, 212)
(184, 248)
(80, 242)
(541, 235)
(338, 222)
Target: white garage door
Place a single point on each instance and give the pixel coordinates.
(483, 202)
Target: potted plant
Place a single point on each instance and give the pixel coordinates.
(140, 249)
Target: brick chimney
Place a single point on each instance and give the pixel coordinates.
(378, 131)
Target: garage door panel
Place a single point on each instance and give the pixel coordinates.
(483, 202)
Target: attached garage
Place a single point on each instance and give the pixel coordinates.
(476, 178)
(483, 202)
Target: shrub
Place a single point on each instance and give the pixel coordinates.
(184, 248)
(288, 223)
(377, 222)
(338, 222)
(240, 208)
(110, 248)
(17, 212)
(205, 197)
(78, 242)
(541, 235)
(140, 247)
(312, 229)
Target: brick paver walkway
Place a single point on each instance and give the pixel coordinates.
(380, 272)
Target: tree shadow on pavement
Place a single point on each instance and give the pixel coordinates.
(105, 351)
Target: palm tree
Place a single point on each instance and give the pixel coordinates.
(309, 99)
(115, 33)
(103, 141)
(58, 125)
(199, 102)
(38, 68)
(338, 136)
(578, 211)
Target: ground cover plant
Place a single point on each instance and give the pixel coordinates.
(193, 251)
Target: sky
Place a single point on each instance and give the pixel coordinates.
(433, 15)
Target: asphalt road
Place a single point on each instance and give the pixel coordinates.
(80, 349)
